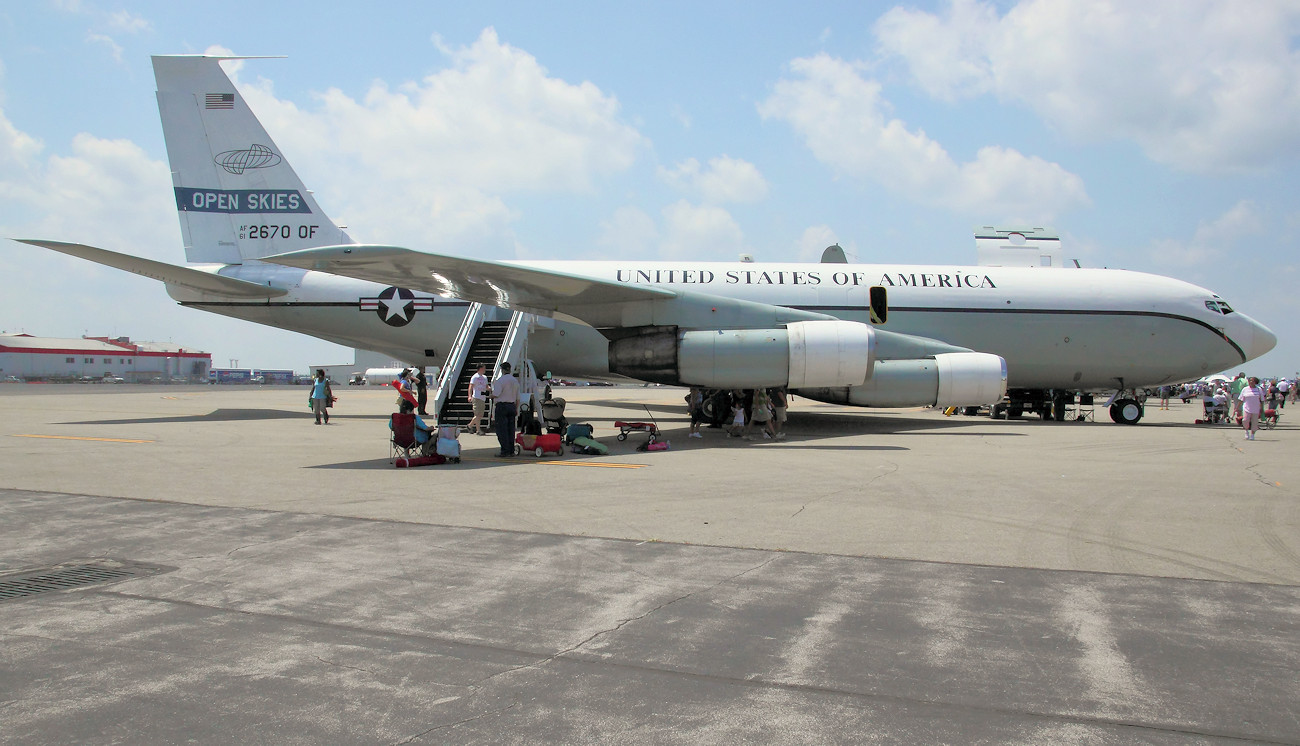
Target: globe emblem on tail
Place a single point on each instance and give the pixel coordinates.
(239, 161)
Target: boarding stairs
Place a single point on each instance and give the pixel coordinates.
(487, 337)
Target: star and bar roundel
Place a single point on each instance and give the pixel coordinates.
(396, 306)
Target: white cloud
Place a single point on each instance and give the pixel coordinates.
(700, 232)
(726, 179)
(629, 232)
(1219, 240)
(814, 240)
(102, 190)
(114, 48)
(131, 23)
(491, 124)
(843, 119)
(18, 152)
(1201, 85)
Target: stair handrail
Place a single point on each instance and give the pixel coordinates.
(514, 350)
(457, 354)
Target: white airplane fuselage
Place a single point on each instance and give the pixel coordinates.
(1067, 329)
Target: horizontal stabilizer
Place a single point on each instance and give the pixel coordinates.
(171, 274)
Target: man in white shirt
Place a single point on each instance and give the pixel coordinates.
(478, 387)
(505, 393)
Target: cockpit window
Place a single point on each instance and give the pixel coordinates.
(1219, 306)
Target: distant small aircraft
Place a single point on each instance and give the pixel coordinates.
(875, 335)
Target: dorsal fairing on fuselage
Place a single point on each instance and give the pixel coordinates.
(237, 197)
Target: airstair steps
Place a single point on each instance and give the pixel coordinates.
(483, 351)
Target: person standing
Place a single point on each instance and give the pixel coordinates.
(1283, 390)
(321, 394)
(1252, 405)
(505, 393)
(1238, 384)
(780, 405)
(421, 391)
(478, 391)
(405, 392)
(760, 415)
(695, 405)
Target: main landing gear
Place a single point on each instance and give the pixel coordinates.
(1049, 405)
(1125, 408)
(1126, 411)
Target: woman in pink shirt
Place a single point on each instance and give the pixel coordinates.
(1252, 405)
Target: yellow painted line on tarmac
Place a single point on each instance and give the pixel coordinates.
(80, 437)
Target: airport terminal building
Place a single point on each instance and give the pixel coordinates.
(96, 358)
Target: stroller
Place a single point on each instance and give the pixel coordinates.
(553, 416)
(1215, 411)
(1269, 419)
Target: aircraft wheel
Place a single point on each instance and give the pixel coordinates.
(998, 411)
(971, 411)
(1126, 412)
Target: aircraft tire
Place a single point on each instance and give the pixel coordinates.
(1126, 412)
(998, 411)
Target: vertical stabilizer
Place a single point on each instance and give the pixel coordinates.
(237, 196)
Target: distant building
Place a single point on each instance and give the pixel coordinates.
(58, 359)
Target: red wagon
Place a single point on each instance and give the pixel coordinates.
(540, 444)
(637, 427)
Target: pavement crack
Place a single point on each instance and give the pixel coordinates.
(458, 723)
(344, 665)
(624, 622)
(893, 469)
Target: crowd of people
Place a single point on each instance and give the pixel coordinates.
(748, 411)
(1244, 399)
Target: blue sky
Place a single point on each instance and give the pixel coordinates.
(1154, 136)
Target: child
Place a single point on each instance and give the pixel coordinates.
(737, 427)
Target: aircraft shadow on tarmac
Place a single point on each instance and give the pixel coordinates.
(230, 415)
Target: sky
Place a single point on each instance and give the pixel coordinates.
(1160, 136)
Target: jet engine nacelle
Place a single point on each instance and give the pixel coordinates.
(944, 380)
(804, 354)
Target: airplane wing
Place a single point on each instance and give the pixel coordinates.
(599, 303)
(493, 283)
(171, 274)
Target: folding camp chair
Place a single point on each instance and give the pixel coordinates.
(403, 442)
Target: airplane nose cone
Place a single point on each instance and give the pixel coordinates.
(1257, 340)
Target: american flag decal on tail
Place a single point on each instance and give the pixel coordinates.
(219, 101)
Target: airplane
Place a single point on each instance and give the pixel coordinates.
(260, 248)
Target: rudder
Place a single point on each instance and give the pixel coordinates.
(237, 197)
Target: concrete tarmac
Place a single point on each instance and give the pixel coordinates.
(893, 577)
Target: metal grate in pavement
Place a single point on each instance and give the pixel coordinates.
(67, 576)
